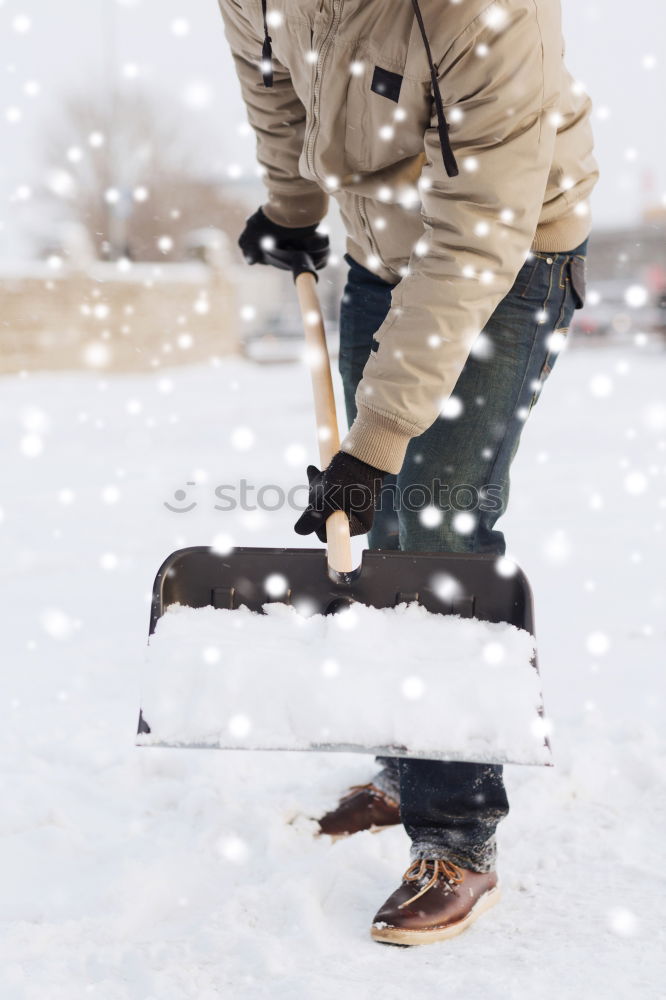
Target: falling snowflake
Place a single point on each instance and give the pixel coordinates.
(242, 438)
(464, 522)
(222, 545)
(110, 494)
(623, 922)
(413, 688)
(180, 27)
(446, 587)
(557, 548)
(32, 445)
(451, 408)
(295, 454)
(21, 24)
(636, 296)
(346, 619)
(431, 517)
(239, 726)
(56, 623)
(494, 653)
(636, 483)
(601, 386)
(233, 848)
(597, 643)
(506, 567)
(197, 95)
(276, 585)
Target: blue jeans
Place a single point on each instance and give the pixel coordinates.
(460, 467)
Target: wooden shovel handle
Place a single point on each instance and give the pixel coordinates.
(337, 526)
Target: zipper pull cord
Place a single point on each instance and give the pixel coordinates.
(266, 52)
(449, 159)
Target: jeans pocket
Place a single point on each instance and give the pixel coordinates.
(536, 278)
(577, 280)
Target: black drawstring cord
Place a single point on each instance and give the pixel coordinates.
(449, 159)
(266, 52)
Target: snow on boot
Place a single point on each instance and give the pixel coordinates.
(436, 901)
(364, 807)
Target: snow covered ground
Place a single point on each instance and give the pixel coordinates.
(138, 874)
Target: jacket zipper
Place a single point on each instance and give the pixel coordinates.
(323, 52)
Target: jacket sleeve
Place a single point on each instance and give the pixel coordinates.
(277, 117)
(500, 82)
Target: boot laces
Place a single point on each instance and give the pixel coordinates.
(452, 875)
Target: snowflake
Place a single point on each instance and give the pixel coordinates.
(413, 688)
(464, 522)
(222, 545)
(636, 483)
(294, 454)
(636, 296)
(430, 517)
(557, 547)
(21, 24)
(494, 653)
(56, 623)
(601, 386)
(31, 445)
(233, 848)
(451, 408)
(239, 726)
(276, 585)
(180, 27)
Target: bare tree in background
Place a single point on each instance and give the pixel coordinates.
(121, 167)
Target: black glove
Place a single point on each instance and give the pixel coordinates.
(305, 239)
(346, 484)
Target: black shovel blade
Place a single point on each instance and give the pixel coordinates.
(472, 586)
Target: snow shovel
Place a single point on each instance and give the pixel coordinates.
(453, 676)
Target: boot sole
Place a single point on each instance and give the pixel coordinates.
(399, 935)
(352, 833)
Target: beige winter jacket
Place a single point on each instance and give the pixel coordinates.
(351, 113)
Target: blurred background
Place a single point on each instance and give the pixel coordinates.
(128, 169)
(142, 364)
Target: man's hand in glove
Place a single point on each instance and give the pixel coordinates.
(261, 234)
(346, 484)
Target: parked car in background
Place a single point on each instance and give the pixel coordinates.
(616, 310)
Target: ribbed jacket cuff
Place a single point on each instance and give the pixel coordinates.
(303, 209)
(379, 439)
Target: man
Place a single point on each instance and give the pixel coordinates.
(459, 151)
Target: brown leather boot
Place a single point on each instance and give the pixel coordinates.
(364, 807)
(446, 901)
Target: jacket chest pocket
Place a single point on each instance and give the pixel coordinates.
(386, 115)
